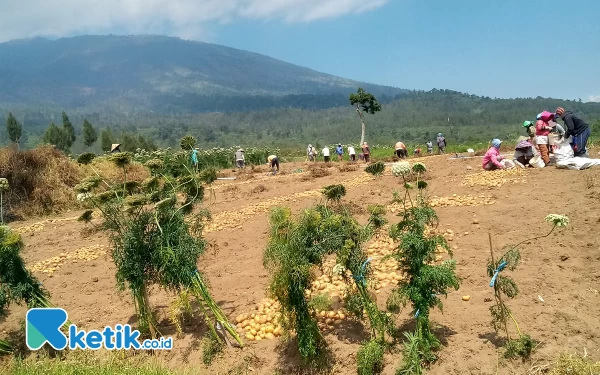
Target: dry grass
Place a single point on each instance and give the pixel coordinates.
(571, 364)
(108, 171)
(41, 180)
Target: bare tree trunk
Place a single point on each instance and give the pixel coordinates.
(362, 123)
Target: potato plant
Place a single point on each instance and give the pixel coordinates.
(153, 240)
(505, 286)
(425, 282)
(297, 246)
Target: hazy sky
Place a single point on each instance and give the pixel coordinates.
(498, 48)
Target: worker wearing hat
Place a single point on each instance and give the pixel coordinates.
(339, 150)
(492, 157)
(240, 160)
(577, 128)
(441, 143)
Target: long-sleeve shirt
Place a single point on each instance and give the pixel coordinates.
(195, 156)
(270, 158)
(575, 125)
(365, 150)
(400, 146)
(351, 150)
(239, 155)
(325, 151)
(492, 156)
(339, 150)
(441, 142)
(542, 128)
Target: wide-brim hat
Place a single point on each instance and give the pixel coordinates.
(114, 146)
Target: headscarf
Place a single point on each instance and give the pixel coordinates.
(523, 144)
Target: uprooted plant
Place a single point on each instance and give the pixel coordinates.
(425, 282)
(152, 239)
(17, 284)
(503, 285)
(297, 247)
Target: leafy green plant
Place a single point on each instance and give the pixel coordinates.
(152, 239)
(425, 282)
(211, 347)
(370, 358)
(188, 142)
(376, 169)
(334, 193)
(86, 158)
(296, 247)
(503, 285)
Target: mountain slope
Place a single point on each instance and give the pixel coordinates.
(154, 72)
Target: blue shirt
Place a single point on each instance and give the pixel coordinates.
(195, 156)
(339, 150)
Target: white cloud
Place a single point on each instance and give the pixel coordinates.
(185, 18)
(594, 98)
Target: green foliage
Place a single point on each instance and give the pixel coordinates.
(574, 364)
(365, 101)
(296, 246)
(86, 158)
(56, 137)
(89, 134)
(376, 169)
(334, 192)
(68, 131)
(188, 143)
(521, 347)
(412, 355)
(320, 302)
(426, 282)
(211, 347)
(369, 358)
(13, 128)
(106, 138)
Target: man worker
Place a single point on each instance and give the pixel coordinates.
(326, 154)
(441, 143)
(339, 150)
(429, 147)
(577, 128)
(401, 151)
(240, 159)
(274, 162)
(352, 153)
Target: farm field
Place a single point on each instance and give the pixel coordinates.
(558, 278)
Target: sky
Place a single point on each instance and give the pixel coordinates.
(495, 48)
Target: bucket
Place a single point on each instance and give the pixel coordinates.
(537, 162)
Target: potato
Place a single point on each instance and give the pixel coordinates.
(253, 332)
(249, 336)
(269, 336)
(269, 329)
(466, 298)
(263, 319)
(329, 321)
(331, 314)
(240, 318)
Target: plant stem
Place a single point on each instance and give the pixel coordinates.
(530, 239)
(497, 294)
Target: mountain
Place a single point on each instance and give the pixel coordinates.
(162, 74)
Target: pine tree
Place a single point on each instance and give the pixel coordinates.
(106, 139)
(56, 136)
(69, 132)
(89, 134)
(14, 128)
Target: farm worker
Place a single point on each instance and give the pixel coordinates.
(523, 153)
(339, 150)
(366, 152)
(310, 153)
(401, 151)
(195, 158)
(272, 159)
(530, 127)
(492, 157)
(542, 130)
(326, 154)
(441, 143)
(417, 151)
(576, 128)
(429, 147)
(352, 153)
(239, 158)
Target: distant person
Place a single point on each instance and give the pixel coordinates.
(576, 128)
(240, 159)
(195, 158)
(523, 154)
(325, 152)
(366, 152)
(417, 151)
(274, 161)
(542, 130)
(352, 153)
(441, 143)
(429, 147)
(311, 153)
(401, 150)
(530, 129)
(339, 150)
(492, 158)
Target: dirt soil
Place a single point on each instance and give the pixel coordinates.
(559, 276)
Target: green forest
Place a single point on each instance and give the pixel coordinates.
(414, 118)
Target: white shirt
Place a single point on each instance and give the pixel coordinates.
(325, 151)
(351, 150)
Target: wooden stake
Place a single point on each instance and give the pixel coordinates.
(497, 293)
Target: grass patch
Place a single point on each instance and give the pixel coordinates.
(211, 347)
(572, 364)
(77, 363)
(369, 358)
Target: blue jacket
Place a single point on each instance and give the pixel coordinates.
(195, 156)
(339, 150)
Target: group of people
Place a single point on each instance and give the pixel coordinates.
(312, 154)
(544, 135)
(401, 151)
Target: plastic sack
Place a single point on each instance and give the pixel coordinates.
(508, 164)
(563, 150)
(577, 163)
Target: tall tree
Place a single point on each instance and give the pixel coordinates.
(57, 137)
(364, 102)
(106, 139)
(89, 134)
(68, 130)
(14, 129)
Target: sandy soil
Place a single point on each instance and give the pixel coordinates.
(563, 269)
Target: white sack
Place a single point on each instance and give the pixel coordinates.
(577, 163)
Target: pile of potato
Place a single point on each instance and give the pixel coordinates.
(262, 324)
(496, 178)
(235, 219)
(51, 265)
(40, 225)
(457, 201)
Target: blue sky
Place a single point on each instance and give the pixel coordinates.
(497, 48)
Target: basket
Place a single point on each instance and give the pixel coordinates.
(537, 162)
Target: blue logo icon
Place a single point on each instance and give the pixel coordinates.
(43, 326)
